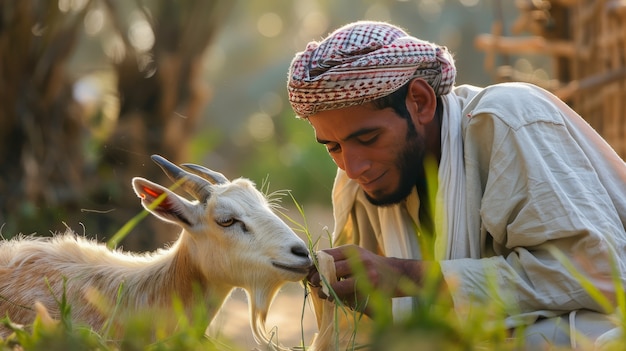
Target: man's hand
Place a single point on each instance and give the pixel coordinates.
(360, 271)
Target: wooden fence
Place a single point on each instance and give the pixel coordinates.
(585, 44)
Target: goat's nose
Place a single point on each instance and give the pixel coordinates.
(300, 250)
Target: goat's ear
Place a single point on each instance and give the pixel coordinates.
(164, 203)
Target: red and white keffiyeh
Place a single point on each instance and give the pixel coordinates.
(361, 62)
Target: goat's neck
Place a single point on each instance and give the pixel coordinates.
(174, 275)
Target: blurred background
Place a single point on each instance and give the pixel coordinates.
(89, 89)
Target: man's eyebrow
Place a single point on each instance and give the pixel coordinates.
(352, 135)
(322, 141)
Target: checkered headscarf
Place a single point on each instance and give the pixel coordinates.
(361, 62)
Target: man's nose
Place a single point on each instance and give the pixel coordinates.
(355, 164)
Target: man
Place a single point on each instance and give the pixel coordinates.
(521, 177)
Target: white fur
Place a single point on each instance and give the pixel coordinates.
(257, 252)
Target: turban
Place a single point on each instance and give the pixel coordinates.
(361, 62)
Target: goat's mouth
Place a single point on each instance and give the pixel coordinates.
(295, 269)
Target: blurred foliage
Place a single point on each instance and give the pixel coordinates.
(246, 70)
(89, 89)
(40, 123)
(434, 325)
(139, 332)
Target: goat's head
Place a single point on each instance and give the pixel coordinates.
(231, 225)
(232, 233)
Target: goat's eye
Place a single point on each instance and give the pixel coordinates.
(226, 222)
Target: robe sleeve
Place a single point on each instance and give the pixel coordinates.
(534, 191)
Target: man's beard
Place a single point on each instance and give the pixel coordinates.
(411, 165)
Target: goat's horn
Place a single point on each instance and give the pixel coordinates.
(212, 176)
(194, 185)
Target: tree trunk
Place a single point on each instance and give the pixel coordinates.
(45, 179)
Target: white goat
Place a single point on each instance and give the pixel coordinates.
(230, 238)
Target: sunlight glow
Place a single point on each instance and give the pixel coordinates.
(261, 126)
(378, 12)
(140, 35)
(71, 5)
(523, 65)
(541, 74)
(430, 9)
(271, 103)
(114, 48)
(269, 25)
(87, 91)
(215, 60)
(451, 36)
(289, 154)
(314, 24)
(469, 3)
(94, 22)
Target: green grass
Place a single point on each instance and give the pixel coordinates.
(433, 326)
(139, 332)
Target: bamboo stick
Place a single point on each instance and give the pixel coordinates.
(525, 45)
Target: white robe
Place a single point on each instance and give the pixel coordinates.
(536, 176)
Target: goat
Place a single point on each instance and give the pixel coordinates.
(230, 238)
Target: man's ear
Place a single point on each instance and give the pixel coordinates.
(421, 101)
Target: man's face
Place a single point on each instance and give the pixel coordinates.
(378, 149)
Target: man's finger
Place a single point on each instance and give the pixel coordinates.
(342, 252)
(343, 269)
(321, 294)
(313, 279)
(344, 288)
